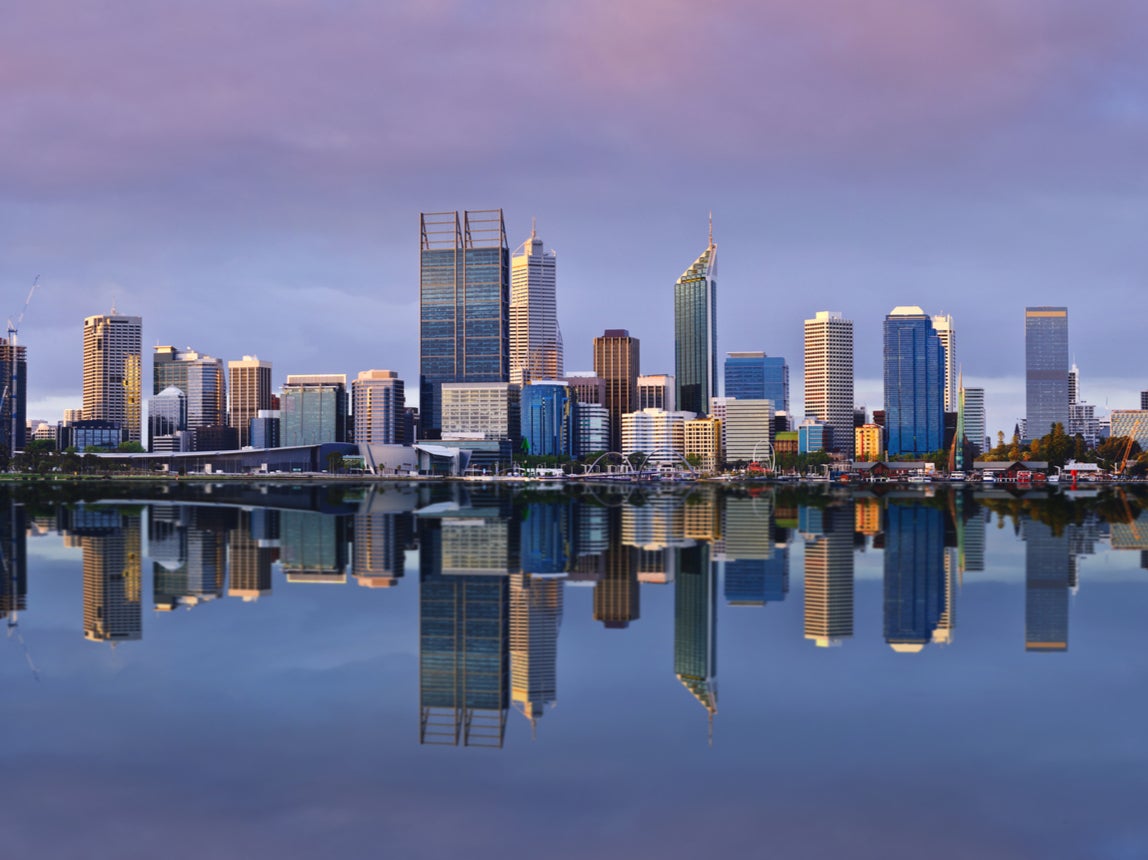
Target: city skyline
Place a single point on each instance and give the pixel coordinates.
(170, 218)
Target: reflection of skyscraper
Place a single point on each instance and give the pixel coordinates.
(535, 615)
(112, 609)
(13, 550)
(545, 538)
(251, 554)
(314, 546)
(756, 572)
(379, 549)
(695, 625)
(617, 599)
(463, 649)
(1048, 569)
(828, 575)
(915, 591)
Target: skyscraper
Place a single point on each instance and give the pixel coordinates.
(464, 306)
(757, 376)
(250, 390)
(379, 400)
(1045, 369)
(14, 383)
(695, 332)
(975, 417)
(914, 383)
(829, 376)
(313, 409)
(112, 368)
(535, 337)
(943, 326)
(200, 377)
(617, 360)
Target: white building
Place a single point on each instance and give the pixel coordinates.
(657, 391)
(479, 410)
(746, 428)
(829, 375)
(535, 338)
(655, 432)
(378, 400)
(943, 326)
(593, 429)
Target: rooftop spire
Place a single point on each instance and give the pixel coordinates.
(533, 227)
(711, 228)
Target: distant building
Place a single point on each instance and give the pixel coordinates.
(914, 383)
(829, 375)
(975, 418)
(587, 387)
(249, 390)
(379, 400)
(655, 432)
(757, 376)
(14, 409)
(617, 360)
(266, 429)
(695, 333)
(657, 391)
(82, 435)
(786, 442)
(747, 428)
(593, 430)
(535, 338)
(313, 409)
(701, 439)
(112, 369)
(946, 333)
(549, 420)
(813, 435)
(200, 377)
(165, 415)
(1046, 369)
(479, 410)
(867, 441)
(1144, 400)
(464, 306)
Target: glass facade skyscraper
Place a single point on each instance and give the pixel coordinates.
(914, 383)
(549, 419)
(757, 376)
(313, 409)
(1045, 369)
(695, 333)
(464, 306)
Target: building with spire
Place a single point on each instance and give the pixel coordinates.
(464, 306)
(112, 370)
(535, 337)
(695, 332)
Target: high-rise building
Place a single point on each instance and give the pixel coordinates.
(1144, 399)
(249, 389)
(914, 383)
(829, 578)
(695, 332)
(379, 400)
(867, 443)
(464, 306)
(479, 410)
(313, 409)
(535, 337)
(829, 375)
(701, 443)
(165, 415)
(200, 377)
(549, 423)
(943, 326)
(14, 406)
(617, 360)
(975, 418)
(1073, 383)
(757, 376)
(655, 432)
(112, 368)
(1046, 369)
(587, 387)
(747, 429)
(657, 391)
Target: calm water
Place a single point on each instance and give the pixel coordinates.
(236, 672)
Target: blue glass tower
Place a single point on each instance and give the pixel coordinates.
(914, 575)
(695, 333)
(1045, 369)
(464, 306)
(914, 383)
(549, 419)
(757, 376)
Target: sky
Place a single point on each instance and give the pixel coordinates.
(247, 175)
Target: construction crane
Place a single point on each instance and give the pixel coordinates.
(1128, 447)
(11, 389)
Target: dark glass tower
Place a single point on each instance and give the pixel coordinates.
(464, 306)
(1045, 369)
(914, 383)
(757, 376)
(695, 333)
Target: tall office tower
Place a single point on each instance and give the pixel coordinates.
(14, 408)
(200, 377)
(829, 578)
(747, 430)
(482, 410)
(535, 338)
(695, 332)
(1048, 571)
(112, 370)
(379, 401)
(463, 648)
(975, 418)
(249, 389)
(165, 414)
(617, 360)
(915, 592)
(1045, 369)
(657, 391)
(313, 409)
(943, 326)
(1073, 383)
(829, 375)
(914, 383)
(250, 557)
(464, 306)
(695, 625)
(535, 616)
(549, 419)
(757, 376)
(112, 586)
